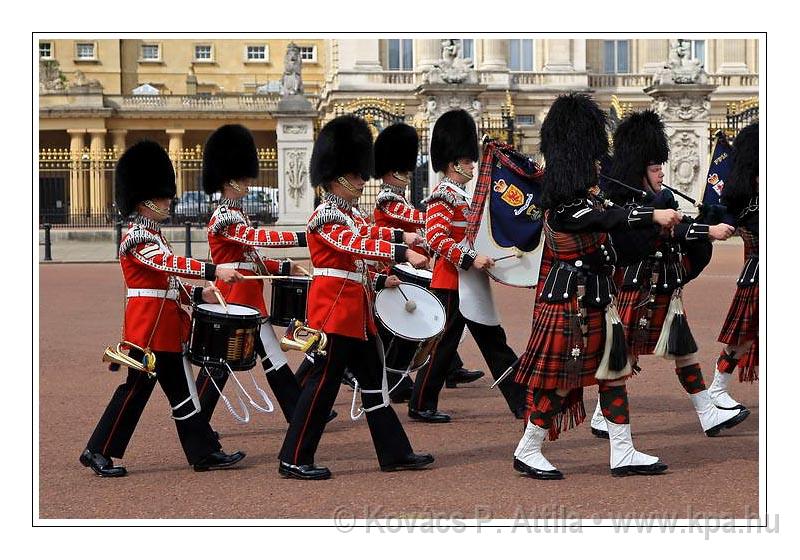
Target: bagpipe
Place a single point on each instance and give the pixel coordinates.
(505, 220)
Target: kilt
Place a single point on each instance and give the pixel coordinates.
(741, 324)
(627, 301)
(543, 365)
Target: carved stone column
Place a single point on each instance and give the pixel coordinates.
(495, 55)
(733, 56)
(98, 192)
(174, 150)
(428, 53)
(295, 141)
(78, 197)
(558, 55)
(684, 108)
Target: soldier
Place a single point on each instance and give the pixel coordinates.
(340, 305)
(454, 151)
(396, 151)
(740, 331)
(576, 338)
(230, 167)
(650, 299)
(154, 319)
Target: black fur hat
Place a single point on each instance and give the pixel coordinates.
(143, 172)
(230, 153)
(573, 138)
(343, 146)
(639, 141)
(741, 184)
(454, 137)
(396, 149)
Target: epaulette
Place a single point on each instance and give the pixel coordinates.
(444, 194)
(388, 196)
(223, 217)
(327, 213)
(135, 236)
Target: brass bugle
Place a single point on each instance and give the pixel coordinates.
(116, 356)
(303, 338)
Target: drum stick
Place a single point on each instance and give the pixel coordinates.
(275, 277)
(506, 373)
(219, 297)
(411, 305)
(517, 253)
(303, 270)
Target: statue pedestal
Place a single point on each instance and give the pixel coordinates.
(295, 131)
(442, 97)
(684, 108)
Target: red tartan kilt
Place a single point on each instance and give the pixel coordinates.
(741, 324)
(543, 365)
(627, 302)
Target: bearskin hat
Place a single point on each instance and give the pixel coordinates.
(741, 183)
(573, 138)
(396, 149)
(143, 172)
(454, 137)
(639, 141)
(343, 146)
(230, 153)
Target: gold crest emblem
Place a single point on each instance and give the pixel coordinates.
(513, 196)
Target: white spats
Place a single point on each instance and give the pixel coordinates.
(529, 449)
(712, 419)
(598, 420)
(623, 454)
(718, 391)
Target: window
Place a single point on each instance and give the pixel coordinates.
(202, 53)
(85, 51)
(256, 53)
(308, 54)
(400, 54)
(526, 119)
(466, 48)
(520, 55)
(151, 52)
(696, 49)
(616, 57)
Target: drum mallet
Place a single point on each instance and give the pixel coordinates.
(506, 373)
(411, 305)
(517, 253)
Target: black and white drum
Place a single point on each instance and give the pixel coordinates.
(224, 337)
(407, 273)
(288, 302)
(414, 319)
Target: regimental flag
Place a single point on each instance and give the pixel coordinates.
(512, 182)
(718, 170)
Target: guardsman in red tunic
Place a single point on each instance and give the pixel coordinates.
(340, 304)
(576, 338)
(740, 331)
(396, 150)
(230, 166)
(454, 151)
(650, 289)
(155, 320)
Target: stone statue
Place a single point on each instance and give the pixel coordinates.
(51, 79)
(292, 81)
(80, 81)
(679, 68)
(452, 69)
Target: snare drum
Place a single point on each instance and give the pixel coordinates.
(407, 273)
(413, 334)
(224, 337)
(289, 296)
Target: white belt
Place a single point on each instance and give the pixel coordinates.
(145, 292)
(458, 224)
(239, 266)
(338, 273)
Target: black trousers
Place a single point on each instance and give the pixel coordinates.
(282, 381)
(361, 357)
(118, 422)
(491, 341)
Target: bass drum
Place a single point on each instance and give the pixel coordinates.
(224, 337)
(522, 271)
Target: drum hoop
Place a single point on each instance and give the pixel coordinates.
(415, 339)
(233, 316)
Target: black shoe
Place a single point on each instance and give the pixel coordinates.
(348, 379)
(412, 461)
(656, 468)
(738, 419)
(303, 472)
(218, 460)
(331, 416)
(461, 376)
(431, 416)
(602, 434)
(101, 465)
(539, 474)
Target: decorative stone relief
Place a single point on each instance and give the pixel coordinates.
(684, 159)
(295, 128)
(685, 107)
(296, 175)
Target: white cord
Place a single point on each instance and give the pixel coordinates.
(243, 419)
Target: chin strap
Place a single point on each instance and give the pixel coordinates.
(402, 177)
(235, 186)
(155, 208)
(461, 171)
(349, 186)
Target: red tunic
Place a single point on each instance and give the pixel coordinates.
(392, 210)
(158, 323)
(231, 239)
(445, 228)
(339, 241)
